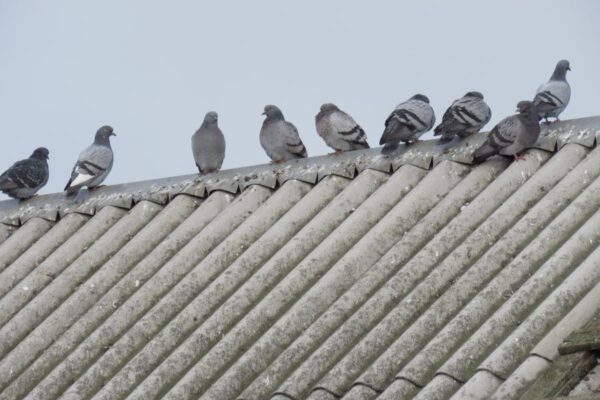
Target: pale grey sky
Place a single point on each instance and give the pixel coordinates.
(152, 69)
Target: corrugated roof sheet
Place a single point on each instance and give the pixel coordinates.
(355, 277)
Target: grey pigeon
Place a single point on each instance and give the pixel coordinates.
(512, 135)
(208, 145)
(553, 96)
(280, 138)
(338, 129)
(464, 117)
(407, 122)
(94, 163)
(24, 178)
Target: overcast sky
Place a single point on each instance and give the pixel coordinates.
(152, 69)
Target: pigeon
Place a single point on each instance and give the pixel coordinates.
(280, 138)
(407, 122)
(94, 163)
(338, 129)
(24, 178)
(512, 135)
(553, 96)
(464, 117)
(208, 145)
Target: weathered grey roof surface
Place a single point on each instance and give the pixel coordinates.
(355, 277)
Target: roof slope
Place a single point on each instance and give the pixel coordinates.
(356, 277)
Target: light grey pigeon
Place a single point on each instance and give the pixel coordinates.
(512, 135)
(280, 138)
(208, 145)
(338, 129)
(24, 178)
(464, 117)
(94, 163)
(553, 96)
(407, 122)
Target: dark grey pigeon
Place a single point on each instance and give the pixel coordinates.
(553, 96)
(338, 129)
(94, 163)
(512, 135)
(280, 138)
(208, 145)
(407, 122)
(24, 178)
(464, 117)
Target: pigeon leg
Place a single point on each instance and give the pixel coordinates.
(277, 161)
(95, 187)
(519, 157)
(335, 153)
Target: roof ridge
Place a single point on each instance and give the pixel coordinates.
(424, 154)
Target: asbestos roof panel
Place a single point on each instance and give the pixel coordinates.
(415, 275)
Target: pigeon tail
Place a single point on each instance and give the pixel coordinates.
(483, 153)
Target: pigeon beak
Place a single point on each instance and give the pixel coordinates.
(569, 68)
(113, 134)
(264, 113)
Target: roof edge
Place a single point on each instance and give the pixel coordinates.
(425, 154)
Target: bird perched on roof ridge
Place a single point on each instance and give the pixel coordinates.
(26, 177)
(464, 117)
(552, 97)
(512, 135)
(339, 130)
(279, 137)
(94, 162)
(407, 122)
(208, 145)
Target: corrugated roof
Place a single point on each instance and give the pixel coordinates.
(356, 276)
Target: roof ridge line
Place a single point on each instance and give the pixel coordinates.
(425, 154)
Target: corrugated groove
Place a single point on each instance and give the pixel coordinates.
(38, 251)
(159, 226)
(224, 285)
(310, 371)
(519, 381)
(538, 360)
(358, 392)
(343, 274)
(443, 388)
(399, 389)
(21, 240)
(38, 309)
(202, 275)
(439, 288)
(278, 266)
(539, 246)
(517, 307)
(135, 280)
(262, 216)
(342, 375)
(346, 235)
(53, 265)
(506, 357)
(119, 344)
(528, 333)
(5, 231)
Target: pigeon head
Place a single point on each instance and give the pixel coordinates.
(273, 112)
(104, 133)
(560, 72)
(211, 117)
(420, 97)
(475, 94)
(329, 107)
(525, 107)
(41, 153)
